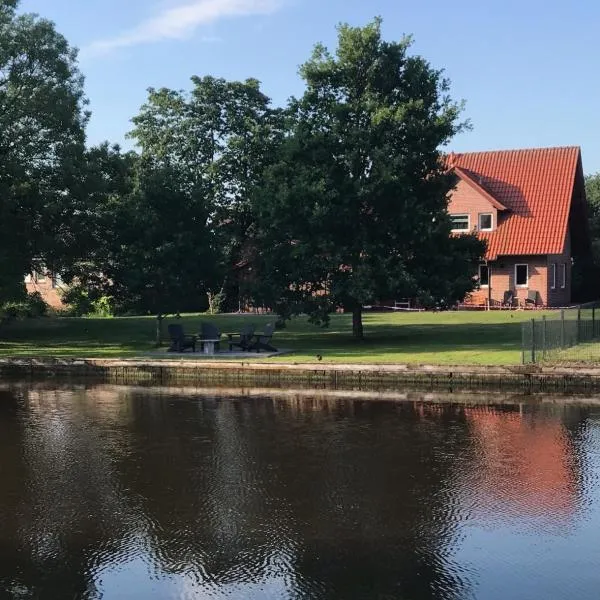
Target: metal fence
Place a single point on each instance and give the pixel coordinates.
(567, 335)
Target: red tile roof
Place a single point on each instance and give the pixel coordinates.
(535, 186)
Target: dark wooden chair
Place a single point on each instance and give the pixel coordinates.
(532, 298)
(243, 339)
(509, 299)
(208, 331)
(262, 341)
(180, 342)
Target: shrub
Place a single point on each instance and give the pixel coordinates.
(32, 307)
(78, 301)
(103, 307)
(36, 305)
(14, 310)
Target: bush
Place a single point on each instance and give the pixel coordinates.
(14, 310)
(36, 305)
(30, 308)
(78, 301)
(103, 307)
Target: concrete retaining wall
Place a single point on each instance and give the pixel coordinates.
(327, 376)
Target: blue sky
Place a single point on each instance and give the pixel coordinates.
(527, 68)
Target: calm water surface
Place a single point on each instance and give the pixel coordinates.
(111, 492)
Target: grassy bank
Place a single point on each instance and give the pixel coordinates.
(435, 338)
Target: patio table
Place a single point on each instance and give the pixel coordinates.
(208, 346)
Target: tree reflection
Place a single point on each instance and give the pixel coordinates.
(314, 497)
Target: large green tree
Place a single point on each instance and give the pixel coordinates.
(592, 191)
(149, 247)
(217, 138)
(586, 270)
(353, 208)
(42, 121)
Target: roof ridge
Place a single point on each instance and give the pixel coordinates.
(514, 150)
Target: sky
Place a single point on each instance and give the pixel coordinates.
(527, 69)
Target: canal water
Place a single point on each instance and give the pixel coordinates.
(120, 492)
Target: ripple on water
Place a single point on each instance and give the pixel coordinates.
(111, 492)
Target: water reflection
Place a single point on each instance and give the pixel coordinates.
(128, 492)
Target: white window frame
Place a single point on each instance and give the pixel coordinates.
(468, 222)
(563, 276)
(520, 285)
(491, 215)
(553, 276)
(481, 285)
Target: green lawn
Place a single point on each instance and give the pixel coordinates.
(434, 338)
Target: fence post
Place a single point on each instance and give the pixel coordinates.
(562, 328)
(533, 340)
(544, 337)
(578, 324)
(594, 321)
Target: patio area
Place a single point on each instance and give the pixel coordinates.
(222, 355)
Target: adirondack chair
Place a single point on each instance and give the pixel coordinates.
(508, 299)
(243, 339)
(532, 298)
(209, 332)
(180, 342)
(262, 341)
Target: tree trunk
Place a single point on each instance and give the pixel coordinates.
(159, 322)
(357, 324)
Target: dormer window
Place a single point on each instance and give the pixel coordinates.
(486, 222)
(460, 222)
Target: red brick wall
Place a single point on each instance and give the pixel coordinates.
(47, 289)
(465, 200)
(503, 280)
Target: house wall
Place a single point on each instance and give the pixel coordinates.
(465, 200)
(47, 288)
(503, 280)
(560, 296)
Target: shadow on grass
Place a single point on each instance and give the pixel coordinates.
(441, 336)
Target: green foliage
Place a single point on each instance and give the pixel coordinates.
(103, 307)
(216, 302)
(353, 208)
(36, 305)
(151, 249)
(586, 269)
(41, 141)
(217, 139)
(32, 307)
(78, 301)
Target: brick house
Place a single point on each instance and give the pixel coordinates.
(530, 208)
(48, 285)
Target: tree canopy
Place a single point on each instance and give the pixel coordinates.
(337, 200)
(42, 122)
(353, 207)
(217, 139)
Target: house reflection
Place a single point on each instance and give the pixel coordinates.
(525, 460)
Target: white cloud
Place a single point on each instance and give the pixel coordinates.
(180, 22)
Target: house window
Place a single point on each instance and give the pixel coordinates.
(460, 222)
(553, 276)
(486, 222)
(57, 280)
(521, 275)
(484, 276)
(563, 276)
(28, 278)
